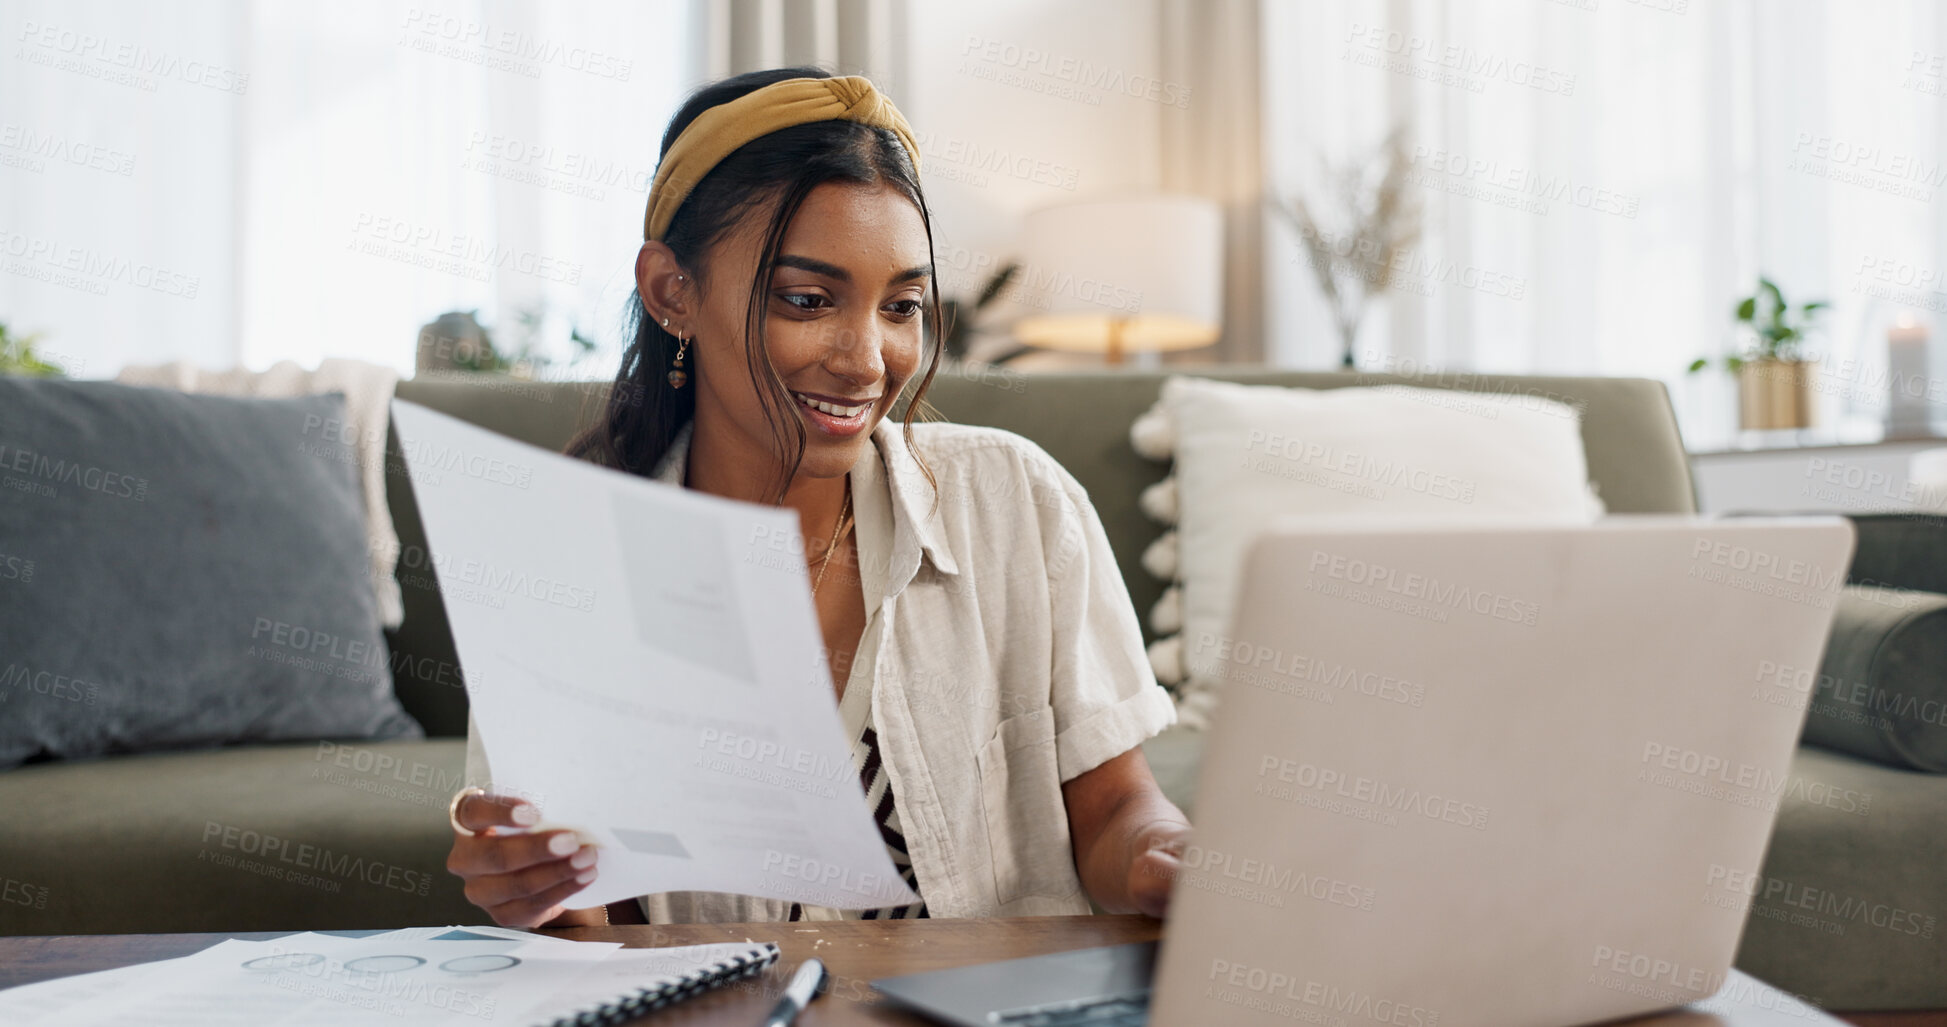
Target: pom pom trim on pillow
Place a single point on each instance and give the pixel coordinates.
(1160, 558)
(1166, 617)
(1159, 501)
(1153, 434)
(1166, 659)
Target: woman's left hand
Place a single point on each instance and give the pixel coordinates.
(1155, 861)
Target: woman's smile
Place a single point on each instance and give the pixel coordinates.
(836, 416)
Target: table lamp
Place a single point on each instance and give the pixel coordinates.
(1118, 276)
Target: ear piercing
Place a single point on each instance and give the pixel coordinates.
(677, 376)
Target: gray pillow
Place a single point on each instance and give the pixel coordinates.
(1881, 692)
(181, 571)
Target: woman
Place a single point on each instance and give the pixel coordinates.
(986, 660)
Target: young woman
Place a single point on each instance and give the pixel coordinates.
(985, 656)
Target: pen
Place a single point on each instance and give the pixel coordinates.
(798, 994)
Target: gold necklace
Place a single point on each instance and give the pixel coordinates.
(844, 521)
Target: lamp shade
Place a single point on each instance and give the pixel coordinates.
(1122, 275)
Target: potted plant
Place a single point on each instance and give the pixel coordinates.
(457, 342)
(1774, 375)
(959, 318)
(17, 356)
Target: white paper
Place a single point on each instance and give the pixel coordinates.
(312, 980)
(49, 1001)
(644, 662)
(138, 993)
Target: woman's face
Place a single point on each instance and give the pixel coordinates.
(842, 320)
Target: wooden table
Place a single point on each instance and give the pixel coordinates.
(856, 952)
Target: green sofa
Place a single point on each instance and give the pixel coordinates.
(353, 835)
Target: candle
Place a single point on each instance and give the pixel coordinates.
(1906, 380)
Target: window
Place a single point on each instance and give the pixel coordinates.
(311, 180)
(1600, 180)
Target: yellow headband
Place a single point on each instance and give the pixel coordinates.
(719, 131)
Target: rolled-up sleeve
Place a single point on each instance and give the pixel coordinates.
(1105, 696)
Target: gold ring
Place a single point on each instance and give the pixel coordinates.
(453, 810)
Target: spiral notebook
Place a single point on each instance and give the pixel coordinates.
(631, 982)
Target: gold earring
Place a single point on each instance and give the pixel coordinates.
(677, 376)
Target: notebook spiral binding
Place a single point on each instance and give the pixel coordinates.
(647, 1000)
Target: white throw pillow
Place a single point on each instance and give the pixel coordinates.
(1245, 454)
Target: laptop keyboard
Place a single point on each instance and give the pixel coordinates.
(1120, 1011)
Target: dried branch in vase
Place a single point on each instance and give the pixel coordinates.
(1352, 256)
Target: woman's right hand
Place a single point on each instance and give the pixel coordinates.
(521, 879)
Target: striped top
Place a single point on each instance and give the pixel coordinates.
(878, 795)
(878, 798)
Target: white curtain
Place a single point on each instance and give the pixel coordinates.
(1212, 146)
(305, 180)
(1600, 181)
(116, 221)
(845, 37)
(404, 161)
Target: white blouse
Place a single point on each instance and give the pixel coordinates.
(1003, 659)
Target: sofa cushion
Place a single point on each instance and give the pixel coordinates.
(1881, 691)
(301, 836)
(1900, 550)
(1247, 454)
(1850, 906)
(200, 574)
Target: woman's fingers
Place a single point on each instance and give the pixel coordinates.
(493, 891)
(518, 877)
(1150, 879)
(481, 810)
(506, 853)
(1157, 864)
(535, 910)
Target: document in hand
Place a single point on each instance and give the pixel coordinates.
(644, 663)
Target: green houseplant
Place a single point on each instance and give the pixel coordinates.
(457, 342)
(1774, 375)
(959, 317)
(17, 356)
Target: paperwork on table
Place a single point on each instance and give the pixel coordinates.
(644, 662)
(438, 975)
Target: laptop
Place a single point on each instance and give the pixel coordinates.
(1495, 776)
